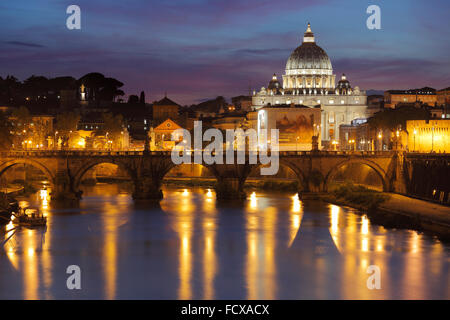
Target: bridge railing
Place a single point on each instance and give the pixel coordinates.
(59, 153)
(85, 153)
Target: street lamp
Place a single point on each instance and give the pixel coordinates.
(397, 134)
(380, 136)
(352, 144)
(415, 132)
(55, 142)
(335, 144)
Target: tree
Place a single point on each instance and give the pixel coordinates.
(133, 99)
(112, 128)
(66, 124)
(22, 126)
(101, 88)
(392, 119)
(36, 87)
(9, 89)
(142, 98)
(62, 83)
(6, 139)
(110, 89)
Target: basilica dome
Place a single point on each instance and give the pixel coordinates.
(308, 69)
(308, 56)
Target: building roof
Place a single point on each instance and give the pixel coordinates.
(166, 102)
(424, 90)
(167, 125)
(309, 55)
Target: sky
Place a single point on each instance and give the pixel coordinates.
(199, 49)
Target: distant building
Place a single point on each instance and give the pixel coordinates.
(309, 81)
(375, 103)
(161, 136)
(37, 135)
(243, 103)
(357, 136)
(165, 109)
(443, 97)
(424, 95)
(230, 121)
(297, 124)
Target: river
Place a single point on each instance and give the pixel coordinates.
(271, 247)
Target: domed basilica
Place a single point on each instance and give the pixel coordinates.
(309, 82)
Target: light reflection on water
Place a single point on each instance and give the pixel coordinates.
(273, 246)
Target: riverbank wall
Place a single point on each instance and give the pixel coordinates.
(399, 211)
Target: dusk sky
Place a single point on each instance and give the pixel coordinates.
(199, 49)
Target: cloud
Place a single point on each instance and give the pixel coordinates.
(25, 44)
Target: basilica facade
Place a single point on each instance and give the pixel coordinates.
(309, 82)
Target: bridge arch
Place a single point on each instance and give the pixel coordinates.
(381, 173)
(299, 173)
(195, 168)
(34, 163)
(90, 164)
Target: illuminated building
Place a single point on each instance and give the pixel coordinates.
(309, 81)
(297, 125)
(443, 98)
(230, 121)
(161, 136)
(394, 97)
(429, 136)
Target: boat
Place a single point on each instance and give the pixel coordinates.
(8, 206)
(30, 217)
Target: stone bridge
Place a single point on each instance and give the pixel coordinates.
(313, 169)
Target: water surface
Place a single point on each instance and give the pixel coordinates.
(271, 247)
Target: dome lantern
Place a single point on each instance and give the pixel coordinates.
(309, 35)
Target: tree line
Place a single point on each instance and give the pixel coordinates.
(43, 90)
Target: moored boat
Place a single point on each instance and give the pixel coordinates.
(30, 217)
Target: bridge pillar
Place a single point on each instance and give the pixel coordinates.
(400, 174)
(63, 189)
(147, 188)
(230, 180)
(229, 189)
